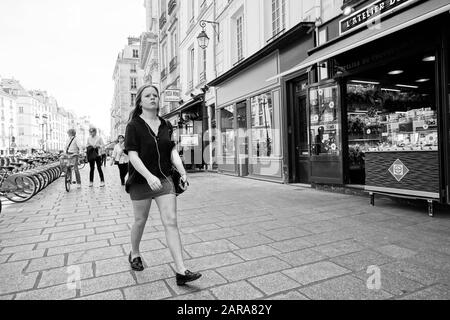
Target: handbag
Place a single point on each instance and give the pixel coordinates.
(92, 153)
(179, 185)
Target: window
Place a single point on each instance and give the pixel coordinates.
(227, 131)
(324, 112)
(135, 53)
(191, 67)
(174, 45)
(263, 125)
(133, 99)
(239, 38)
(2, 102)
(133, 83)
(191, 11)
(21, 131)
(278, 16)
(133, 68)
(164, 56)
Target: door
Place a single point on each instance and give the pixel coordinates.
(301, 138)
(242, 147)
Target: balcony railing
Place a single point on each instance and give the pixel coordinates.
(190, 85)
(164, 73)
(173, 64)
(172, 5)
(162, 20)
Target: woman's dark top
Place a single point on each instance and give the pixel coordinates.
(140, 137)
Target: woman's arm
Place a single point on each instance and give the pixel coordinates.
(176, 161)
(137, 163)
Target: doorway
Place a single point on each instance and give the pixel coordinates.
(300, 130)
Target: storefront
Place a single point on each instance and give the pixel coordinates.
(251, 120)
(189, 123)
(378, 92)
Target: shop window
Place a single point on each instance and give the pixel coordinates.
(263, 126)
(227, 131)
(324, 112)
(391, 108)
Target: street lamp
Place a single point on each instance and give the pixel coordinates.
(203, 39)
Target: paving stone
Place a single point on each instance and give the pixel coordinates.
(203, 227)
(145, 245)
(274, 283)
(4, 258)
(256, 252)
(291, 245)
(150, 291)
(327, 237)
(237, 291)
(152, 274)
(46, 263)
(19, 234)
(392, 282)
(58, 276)
(100, 284)
(250, 240)
(395, 251)
(432, 260)
(252, 268)
(108, 295)
(209, 279)
(26, 255)
(14, 249)
(13, 279)
(7, 297)
(95, 254)
(114, 228)
(101, 224)
(102, 236)
(157, 257)
(209, 248)
(61, 292)
(339, 248)
(416, 272)
(362, 260)
(315, 272)
(23, 240)
(286, 233)
(292, 295)
(72, 234)
(436, 292)
(301, 257)
(63, 228)
(214, 261)
(78, 247)
(61, 243)
(343, 288)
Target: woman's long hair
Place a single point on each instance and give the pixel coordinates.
(137, 111)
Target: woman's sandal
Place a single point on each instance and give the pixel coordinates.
(136, 264)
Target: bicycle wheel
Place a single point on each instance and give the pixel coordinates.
(19, 188)
(68, 179)
(81, 165)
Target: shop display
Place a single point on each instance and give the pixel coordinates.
(325, 128)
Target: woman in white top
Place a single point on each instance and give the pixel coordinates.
(94, 145)
(73, 147)
(120, 158)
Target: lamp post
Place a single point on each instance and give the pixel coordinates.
(10, 137)
(203, 39)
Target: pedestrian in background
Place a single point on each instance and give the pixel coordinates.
(103, 152)
(74, 148)
(94, 146)
(152, 153)
(120, 159)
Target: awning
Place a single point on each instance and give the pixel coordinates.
(185, 106)
(417, 14)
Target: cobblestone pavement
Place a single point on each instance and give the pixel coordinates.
(251, 240)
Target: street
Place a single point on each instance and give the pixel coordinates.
(250, 239)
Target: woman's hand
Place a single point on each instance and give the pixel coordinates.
(154, 183)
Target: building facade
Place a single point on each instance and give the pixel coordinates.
(376, 100)
(128, 77)
(150, 44)
(8, 123)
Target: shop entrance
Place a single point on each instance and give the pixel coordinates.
(302, 155)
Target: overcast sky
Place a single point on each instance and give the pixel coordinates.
(68, 48)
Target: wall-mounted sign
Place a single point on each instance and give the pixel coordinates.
(172, 95)
(398, 170)
(371, 14)
(189, 140)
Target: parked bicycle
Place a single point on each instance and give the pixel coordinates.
(67, 163)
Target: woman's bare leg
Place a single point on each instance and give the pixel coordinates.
(141, 211)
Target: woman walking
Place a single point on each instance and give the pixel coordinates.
(74, 148)
(94, 146)
(152, 154)
(120, 158)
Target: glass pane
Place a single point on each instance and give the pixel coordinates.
(227, 131)
(324, 113)
(263, 129)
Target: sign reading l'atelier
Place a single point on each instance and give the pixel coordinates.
(371, 14)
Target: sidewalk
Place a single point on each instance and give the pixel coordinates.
(251, 240)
